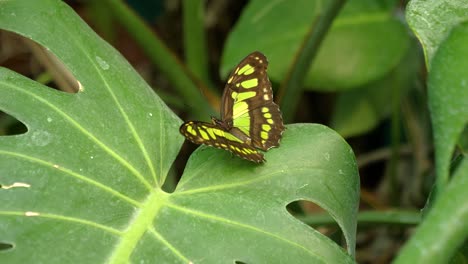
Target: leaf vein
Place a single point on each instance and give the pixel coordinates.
(88, 134)
(63, 218)
(169, 245)
(239, 225)
(74, 174)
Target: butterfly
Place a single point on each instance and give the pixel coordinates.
(250, 120)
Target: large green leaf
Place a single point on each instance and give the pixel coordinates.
(83, 184)
(365, 41)
(216, 204)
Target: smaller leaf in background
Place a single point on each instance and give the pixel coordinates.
(360, 110)
(170, 66)
(432, 21)
(463, 142)
(448, 97)
(359, 48)
(445, 228)
(363, 45)
(462, 254)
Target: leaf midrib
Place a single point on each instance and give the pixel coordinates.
(141, 223)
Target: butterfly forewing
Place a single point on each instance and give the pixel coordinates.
(248, 101)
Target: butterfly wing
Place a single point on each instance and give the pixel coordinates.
(213, 135)
(247, 103)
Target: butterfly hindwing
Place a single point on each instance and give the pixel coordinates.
(212, 135)
(267, 127)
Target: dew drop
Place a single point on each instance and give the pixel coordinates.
(41, 138)
(102, 63)
(31, 214)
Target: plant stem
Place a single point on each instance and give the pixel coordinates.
(194, 39)
(395, 143)
(291, 89)
(179, 76)
(391, 217)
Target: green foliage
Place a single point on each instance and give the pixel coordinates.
(254, 207)
(448, 96)
(364, 43)
(433, 20)
(438, 237)
(83, 184)
(360, 110)
(445, 228)
(366, 54)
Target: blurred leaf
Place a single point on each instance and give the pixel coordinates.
(360, 110)
(461, 257)
(448, 97)
(432, 21)
(102, 19)
(84, 183)
(168, 64)
(375, 43)
(463, 142)
(444, 228)
(364, 44)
